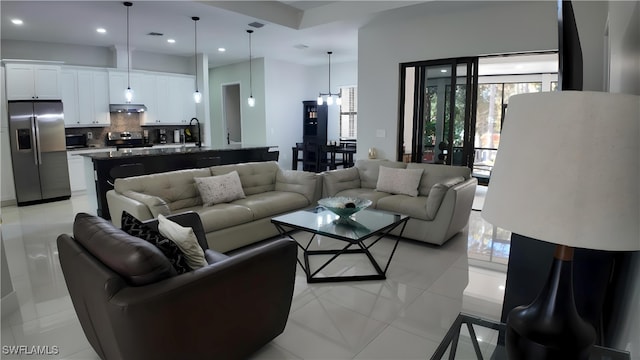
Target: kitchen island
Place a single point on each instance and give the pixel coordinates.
(107, 166)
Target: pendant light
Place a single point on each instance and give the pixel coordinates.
(330, 95)
(197, 96)
(251, 101)
(128, 94)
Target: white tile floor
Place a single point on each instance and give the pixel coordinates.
(403, 317)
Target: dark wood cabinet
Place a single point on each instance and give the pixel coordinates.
(314, 134)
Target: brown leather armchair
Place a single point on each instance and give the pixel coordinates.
(132, 305)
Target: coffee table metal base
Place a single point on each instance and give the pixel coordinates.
(362, 249)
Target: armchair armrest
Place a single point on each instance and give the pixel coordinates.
(249, 296)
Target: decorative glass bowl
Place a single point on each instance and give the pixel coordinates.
(344, 206)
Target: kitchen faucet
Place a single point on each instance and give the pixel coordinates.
(199, 142)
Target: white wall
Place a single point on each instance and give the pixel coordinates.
(458, 29)
(7, 190)
(253, 118)
(286, 86)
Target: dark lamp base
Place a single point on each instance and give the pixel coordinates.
(550, 327)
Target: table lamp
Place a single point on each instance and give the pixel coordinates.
(566, 173)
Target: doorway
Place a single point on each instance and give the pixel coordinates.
(437, 111)
(231, 113)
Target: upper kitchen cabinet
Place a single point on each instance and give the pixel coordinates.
(85, 97)
(168, 97)
(33, 81)
(181, 90)
(174, 103)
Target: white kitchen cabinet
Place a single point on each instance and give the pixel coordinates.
(181, 91)
(33, 81)
(77, 180)
(168, 97)
(144, 87)
(69, 96)
(93, 106)
(85, 97)
(117, 87)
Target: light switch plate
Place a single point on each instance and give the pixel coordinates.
(89, 135)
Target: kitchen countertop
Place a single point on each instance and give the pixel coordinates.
(158, 151)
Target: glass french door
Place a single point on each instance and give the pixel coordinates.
(437, 111)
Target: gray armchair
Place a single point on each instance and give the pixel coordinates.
(132, 305)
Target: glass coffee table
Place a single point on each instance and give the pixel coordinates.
(361, 226)
(469, 337)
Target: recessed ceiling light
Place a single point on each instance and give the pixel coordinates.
(16, 21)
(221, 49)
(101, 30)
(171, 41)
(443, 70)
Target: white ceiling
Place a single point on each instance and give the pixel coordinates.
(321, 25)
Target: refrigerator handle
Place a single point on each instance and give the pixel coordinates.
(33, 141)
(36, 151)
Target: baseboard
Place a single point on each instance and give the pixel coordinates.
(10, 202)
(9, 303)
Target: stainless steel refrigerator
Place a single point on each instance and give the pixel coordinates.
(38, 151)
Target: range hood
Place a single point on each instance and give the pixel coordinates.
(127, 108)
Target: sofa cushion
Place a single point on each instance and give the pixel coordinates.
(437, 193)
(414, 206)
(177, 188)
(220, 188)
(436, 173)
(399, 181)
(336, 181)
(370, 194)
(224, 215)
(256, 177)
(300, 182)
(369, 169)
(135, 227)
(136, 260)
(272, 203)
(186, 240)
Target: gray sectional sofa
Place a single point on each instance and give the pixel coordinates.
(440, 209)
(269, 191)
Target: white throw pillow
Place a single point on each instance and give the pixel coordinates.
(186, 240)
(399, 181)
(220, 189)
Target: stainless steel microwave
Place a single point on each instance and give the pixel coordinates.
(75, 141)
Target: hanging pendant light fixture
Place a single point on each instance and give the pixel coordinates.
(251, 100)
(330, 95)
(128, 94)
(197, 96)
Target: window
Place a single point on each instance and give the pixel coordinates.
(349, 113)
(492, 100)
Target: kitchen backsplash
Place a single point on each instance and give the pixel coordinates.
(120, 123)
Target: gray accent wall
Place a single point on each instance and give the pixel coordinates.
(94, 56)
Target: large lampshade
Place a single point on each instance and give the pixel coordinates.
(566, 173)
(568, 170)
